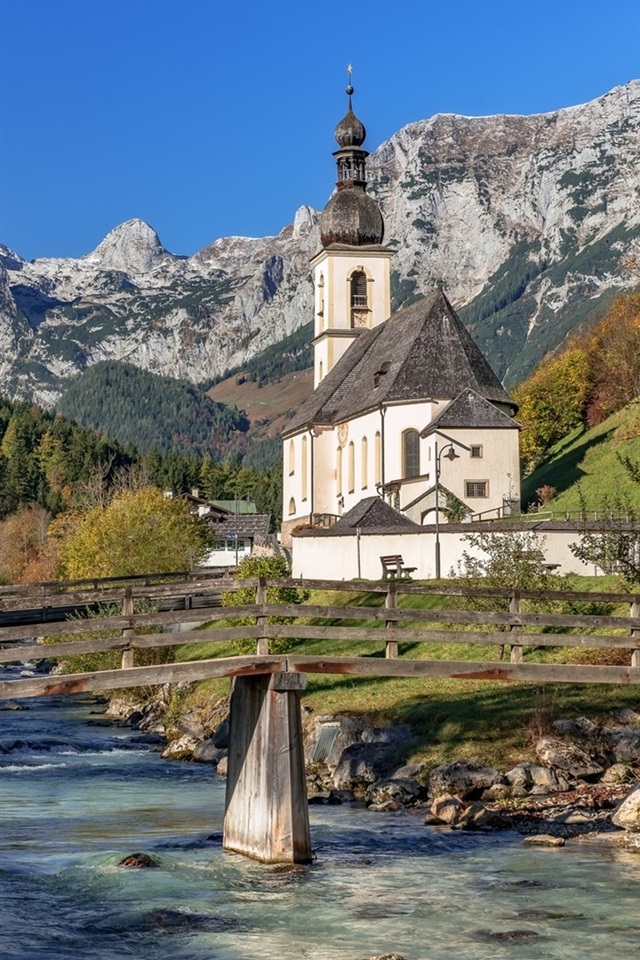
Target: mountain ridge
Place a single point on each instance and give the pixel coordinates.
(526, 219)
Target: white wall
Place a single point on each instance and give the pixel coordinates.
(336, 558)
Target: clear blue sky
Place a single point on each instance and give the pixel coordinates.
(212, 117)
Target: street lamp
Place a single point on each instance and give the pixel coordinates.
(450, 454)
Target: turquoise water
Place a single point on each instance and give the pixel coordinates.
(77, 798)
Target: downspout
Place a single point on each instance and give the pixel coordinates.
(311, 475)
(382, 416)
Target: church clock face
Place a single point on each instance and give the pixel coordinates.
(343, 433)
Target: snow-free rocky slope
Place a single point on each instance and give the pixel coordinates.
(526, 219)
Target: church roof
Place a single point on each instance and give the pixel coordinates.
(372, 512)
(421, 352)
(470, 410)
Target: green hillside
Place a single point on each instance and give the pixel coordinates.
(586, 465)
(150, 411)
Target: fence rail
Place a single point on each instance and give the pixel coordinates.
(391, 629)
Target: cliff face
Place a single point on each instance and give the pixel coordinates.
(526, 219)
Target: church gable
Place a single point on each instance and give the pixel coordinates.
(470, 411)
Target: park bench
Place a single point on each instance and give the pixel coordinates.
(393, 568)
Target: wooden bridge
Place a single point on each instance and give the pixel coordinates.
(266, 810)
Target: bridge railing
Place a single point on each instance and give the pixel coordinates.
(390, 628)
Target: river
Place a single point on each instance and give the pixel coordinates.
(78, 796)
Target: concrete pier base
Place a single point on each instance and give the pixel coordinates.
(266, 811)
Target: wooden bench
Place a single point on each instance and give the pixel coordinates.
(393, 568)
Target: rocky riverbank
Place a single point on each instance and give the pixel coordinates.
(585, 782)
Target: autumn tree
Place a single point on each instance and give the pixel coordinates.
(140, 531)
(552, 402)
(614, 359)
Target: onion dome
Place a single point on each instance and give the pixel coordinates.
(350, 132)
(351, 217)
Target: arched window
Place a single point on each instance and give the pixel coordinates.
(352, 467)
(410, 453)
(292, 458)
(303, 469)
(339, 471)
(364, 453)
(321, 301)
(359, 289)
(377, 458)
(292, 507)
(320, 372)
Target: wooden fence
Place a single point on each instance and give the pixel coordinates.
(388, 627)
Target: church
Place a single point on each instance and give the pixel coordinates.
(405, 409)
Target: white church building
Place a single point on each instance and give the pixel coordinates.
(405, 407)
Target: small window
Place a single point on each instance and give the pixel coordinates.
(352, 467)
(292, 458)
(365, 463)
(411, 453)
(476, 488)
(292, 507)
(476, 452)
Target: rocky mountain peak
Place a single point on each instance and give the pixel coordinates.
(133, 247)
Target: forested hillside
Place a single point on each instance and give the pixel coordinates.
(151, 411)
(53, 469)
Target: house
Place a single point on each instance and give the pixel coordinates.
(405, 405)
(236, 536)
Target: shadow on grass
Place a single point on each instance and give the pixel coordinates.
(563, 471)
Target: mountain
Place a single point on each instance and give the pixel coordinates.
(527, 219)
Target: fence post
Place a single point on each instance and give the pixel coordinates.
(127, 611)
(262, 647)
(634, 611)
(515, 606)
(391, 604)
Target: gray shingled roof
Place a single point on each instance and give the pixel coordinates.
(249, 525)
(423, 351)
(469, 409)
(372, 512)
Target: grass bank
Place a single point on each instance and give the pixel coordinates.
(497, 723)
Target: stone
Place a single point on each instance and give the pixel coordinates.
(476, 816)
(626, 715)
(222, 767)
(499, 791)
(387, 806)
(360, 765)
(569, 757)
(629, 841)
(409, 771)
(121, 709)
(180, 749)
(207, 752)
(464, 779)
(627, 813)
(138, 861)
(543, 840)
(401, 792)
(618, 773)
(447, 809)
(220, 737)
(624, 743)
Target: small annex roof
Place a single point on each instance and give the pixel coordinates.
(421, 352)
(372, 512)
(244, 525)
(470, 410)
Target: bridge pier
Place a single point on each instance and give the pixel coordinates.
(266, 810)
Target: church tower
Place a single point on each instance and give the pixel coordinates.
(351, 272)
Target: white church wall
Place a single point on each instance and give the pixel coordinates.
(344, 558)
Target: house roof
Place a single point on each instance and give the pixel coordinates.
(421, 352)
(372, 512)
(469, 409)
(247, 526)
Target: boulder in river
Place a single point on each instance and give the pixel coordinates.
(137, 861)
(627, 813)
(403, 792)
(208, 752)
(464, 779)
